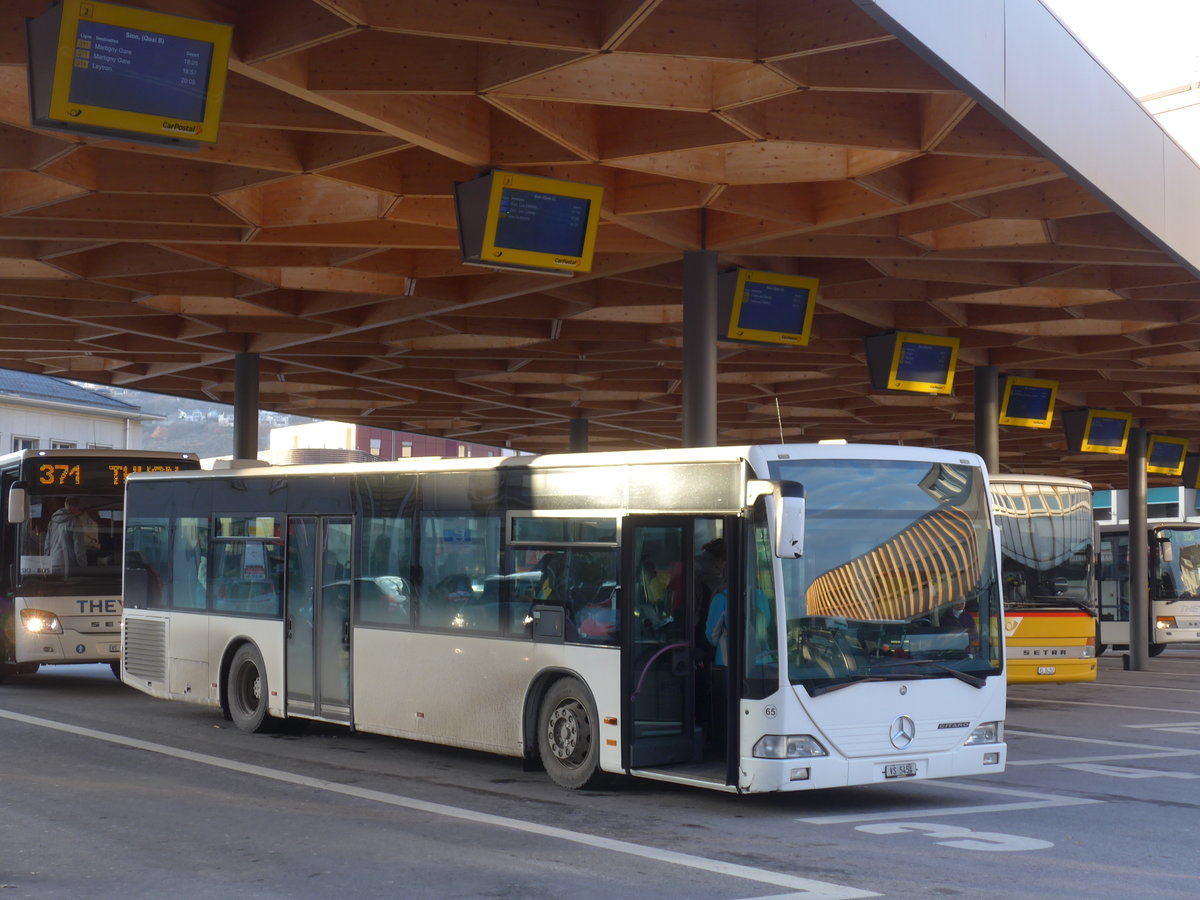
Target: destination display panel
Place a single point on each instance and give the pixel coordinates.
(766, 307)
(1027, 402)
(912, 363)
(508, 220)
(1097, 430)
(1166, 455)
(129, 74)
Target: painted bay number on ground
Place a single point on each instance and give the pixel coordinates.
(959, 837)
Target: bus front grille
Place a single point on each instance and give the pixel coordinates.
(145, 649)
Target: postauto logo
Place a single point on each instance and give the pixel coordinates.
(184, 127)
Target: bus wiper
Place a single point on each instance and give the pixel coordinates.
(974, 681)
(832, 686)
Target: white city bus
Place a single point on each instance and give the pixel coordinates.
(1047, 545)
(575, 609)
(60, 553)
(1173, 570)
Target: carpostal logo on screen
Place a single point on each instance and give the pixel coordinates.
(182, 127)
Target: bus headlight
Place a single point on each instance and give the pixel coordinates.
(986, 733)
(788, 746)
(1165, 622)
(37, 621)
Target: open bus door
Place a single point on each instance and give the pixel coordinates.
(676, 706)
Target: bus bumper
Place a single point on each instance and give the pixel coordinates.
(1050, 671)
(760, 775)
(68, 647)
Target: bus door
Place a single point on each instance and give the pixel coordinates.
(318, 617)
(664, 678)
(1112, 576)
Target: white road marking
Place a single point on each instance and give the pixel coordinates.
(1056, 702)
(809, 889)
(962, 838)
(1035, 801)
(1071, 760)
(1126, 772)
(1142, 751)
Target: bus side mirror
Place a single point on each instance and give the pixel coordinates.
(18, 503)
(788, 521)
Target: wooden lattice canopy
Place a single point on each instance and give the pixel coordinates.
(791, 135)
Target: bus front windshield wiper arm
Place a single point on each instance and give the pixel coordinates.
(974, 681)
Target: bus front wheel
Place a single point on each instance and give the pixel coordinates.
(1155, 649)
(568, 739)
(246, 690)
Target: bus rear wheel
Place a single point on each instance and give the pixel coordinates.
(246, 690)
(568, 739)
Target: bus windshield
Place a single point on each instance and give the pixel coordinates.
(71, 544)
(898, 575)
(1046, 544)
(1177, 564)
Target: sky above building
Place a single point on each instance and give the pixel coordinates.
(1151, 47)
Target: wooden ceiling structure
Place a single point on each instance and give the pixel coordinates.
(796, 136)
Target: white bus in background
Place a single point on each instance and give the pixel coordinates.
(61, 553)
(573, 610)
(1172, 568)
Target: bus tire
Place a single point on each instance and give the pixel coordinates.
(568, 736)
(1100, 648)
(28, 668)
(115, 665)
(246, 690)
(1156, 649)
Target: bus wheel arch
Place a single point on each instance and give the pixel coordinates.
(568, 732)
(245, 692)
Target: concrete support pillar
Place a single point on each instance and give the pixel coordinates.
(1139, 580)
(987, 416)
(245, 406)
(579, 435)
(699, 348)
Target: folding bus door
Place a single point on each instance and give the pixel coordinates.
(666, 669)
(318, 617)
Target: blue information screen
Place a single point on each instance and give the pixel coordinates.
(924, 363)
(1165, 455)
(773, 307)
(140, 71)
(1106, 431)
(542, 223)
(1028, 401)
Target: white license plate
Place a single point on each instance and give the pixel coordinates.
(1047, 670)
(114, 648)
(900, 770)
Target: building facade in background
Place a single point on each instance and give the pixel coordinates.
(368, 443)
(38, 412)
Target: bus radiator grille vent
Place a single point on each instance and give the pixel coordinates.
(145, 649)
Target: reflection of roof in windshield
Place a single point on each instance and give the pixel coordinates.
(935, 560)
(872, 484)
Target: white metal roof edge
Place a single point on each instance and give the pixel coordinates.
(1018, 60)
